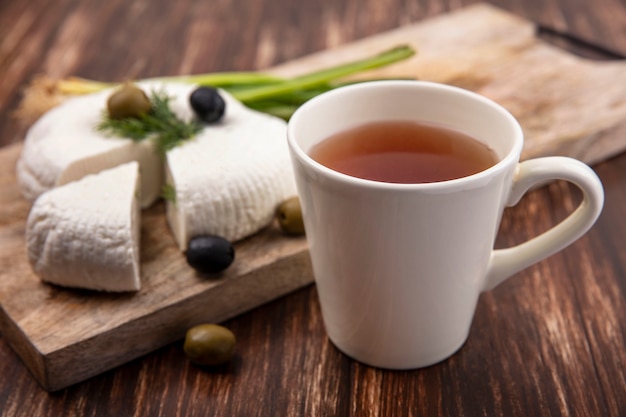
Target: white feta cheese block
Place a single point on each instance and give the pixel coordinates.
(64, 145)
(230, 178)
(85, 234)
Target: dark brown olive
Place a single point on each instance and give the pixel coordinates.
(210, 254)
(128, 101)
(209, 344)
(208, 104)
(289, 215)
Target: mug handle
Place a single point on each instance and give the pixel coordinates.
(506, 262)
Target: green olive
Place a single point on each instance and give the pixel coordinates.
(128, 101)
(209, 344)
(289, 215)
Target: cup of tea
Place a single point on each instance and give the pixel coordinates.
(403, 185)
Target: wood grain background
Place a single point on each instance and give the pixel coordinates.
(551, 342)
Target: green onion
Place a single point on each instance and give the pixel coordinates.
(324, 76)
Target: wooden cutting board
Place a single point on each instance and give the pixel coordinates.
(566, 105)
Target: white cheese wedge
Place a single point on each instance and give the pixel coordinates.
(85, 234)
(230, 178)
(64, 146)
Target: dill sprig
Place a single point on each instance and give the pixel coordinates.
(168, 192)
(160, 124)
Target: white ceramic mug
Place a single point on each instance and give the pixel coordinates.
(399, 267)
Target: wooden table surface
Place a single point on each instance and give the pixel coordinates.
(549, 342)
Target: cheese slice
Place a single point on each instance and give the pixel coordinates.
(85, 234)
(64, 145)
(230, 178)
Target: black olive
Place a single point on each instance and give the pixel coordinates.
(208, 104)
(210, 254)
